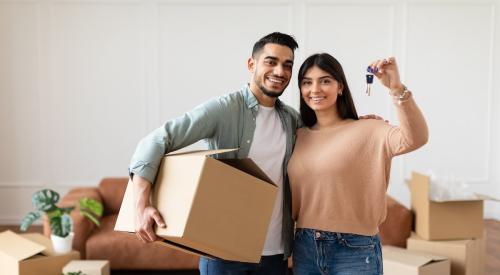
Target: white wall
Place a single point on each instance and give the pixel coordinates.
(82, 81)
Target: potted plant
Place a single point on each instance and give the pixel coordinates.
(61, 224)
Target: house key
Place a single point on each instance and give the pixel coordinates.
(369, 79)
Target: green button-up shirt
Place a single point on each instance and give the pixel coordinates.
(223, 122)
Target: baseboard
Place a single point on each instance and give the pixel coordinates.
(15, 220)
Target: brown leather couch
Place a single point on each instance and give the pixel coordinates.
(125, 251)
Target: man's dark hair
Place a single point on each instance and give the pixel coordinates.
(345, 104)
(275, 38)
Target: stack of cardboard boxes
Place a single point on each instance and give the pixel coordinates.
(31, 254)
(452, 229)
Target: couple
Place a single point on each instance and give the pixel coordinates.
(331, 189)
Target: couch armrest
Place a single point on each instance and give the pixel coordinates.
(398, 224)
(82, 227)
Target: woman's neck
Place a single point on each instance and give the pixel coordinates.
(327, 119)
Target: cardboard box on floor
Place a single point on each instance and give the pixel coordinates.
(88, 267)
(467, 256)
(30, 254)
(448, 220)
(398, 261)
(212, 207)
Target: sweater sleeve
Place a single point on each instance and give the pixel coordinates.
(412, 133)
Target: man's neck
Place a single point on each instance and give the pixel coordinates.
(262, 98)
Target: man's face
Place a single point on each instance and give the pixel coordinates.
(271, 69)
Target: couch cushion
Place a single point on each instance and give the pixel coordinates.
(397, 225)
(125, 251)
(112, 191)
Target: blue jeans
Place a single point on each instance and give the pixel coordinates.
(323, 252)
(269, 265)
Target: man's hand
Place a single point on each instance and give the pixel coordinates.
(147, 215)
(146, 222)
(372, 116)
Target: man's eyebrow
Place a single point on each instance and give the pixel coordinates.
(271, 57)
(274, 58)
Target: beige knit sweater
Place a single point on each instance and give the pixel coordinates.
(339, 175)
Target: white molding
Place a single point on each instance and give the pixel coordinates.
(224, 2)
(491, 89)
(21, 2)
(98, 2)
(15, 220)
(40, 184)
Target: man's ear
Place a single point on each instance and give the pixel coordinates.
(251, 64)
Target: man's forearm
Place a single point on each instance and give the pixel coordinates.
(142, 191)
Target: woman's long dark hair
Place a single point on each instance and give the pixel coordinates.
(345, 104)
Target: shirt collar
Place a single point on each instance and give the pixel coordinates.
(250, 99)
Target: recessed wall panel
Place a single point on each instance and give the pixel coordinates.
(355, 35)
(204, 50)
(449, 53)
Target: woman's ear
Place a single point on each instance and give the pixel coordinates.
(341, 88)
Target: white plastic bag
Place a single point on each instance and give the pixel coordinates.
(449, 188)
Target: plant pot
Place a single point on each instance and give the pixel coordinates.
(62, 245)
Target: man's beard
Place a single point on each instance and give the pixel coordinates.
(269, 93)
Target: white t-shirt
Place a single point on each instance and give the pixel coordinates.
(268, 151)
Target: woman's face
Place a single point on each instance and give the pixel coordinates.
(319, 89)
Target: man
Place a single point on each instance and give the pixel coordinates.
(252, 119)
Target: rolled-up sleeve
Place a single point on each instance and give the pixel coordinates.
(197, 124)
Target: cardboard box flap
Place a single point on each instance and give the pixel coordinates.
(478, 197)
(248, 166)
(420, 185)
(17, 246)
(411, 258)
(43, 241)
(200, 152)
(486, 197)
(126, 221)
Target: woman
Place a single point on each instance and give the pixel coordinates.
(340, 168)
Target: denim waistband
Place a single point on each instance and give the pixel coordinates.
(327, 235)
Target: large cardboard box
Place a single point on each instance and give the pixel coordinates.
(467, 256)
(398, 261)
(31, 254)
(88, 267)
(447, 220)
(212, 207)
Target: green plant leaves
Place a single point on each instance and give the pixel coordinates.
(60, 220)
(29, 219)
(45, 200)
(74, 273)
(66, 225)
(92, 209)
(61, 225)
(55, 226)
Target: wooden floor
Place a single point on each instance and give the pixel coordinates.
(492, 244)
